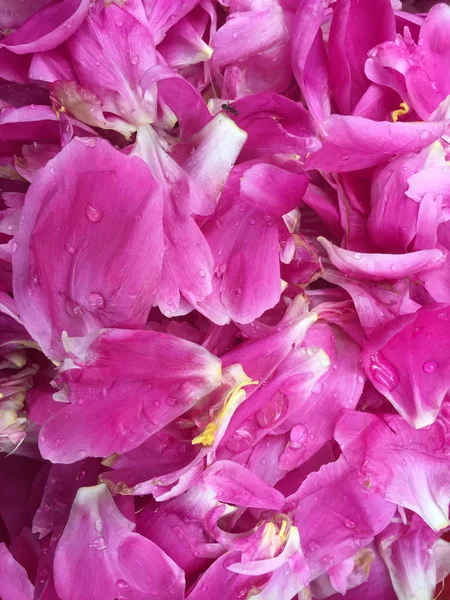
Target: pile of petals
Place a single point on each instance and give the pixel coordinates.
(224, 299)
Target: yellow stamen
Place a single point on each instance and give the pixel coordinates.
(404, 108)
(207, 437)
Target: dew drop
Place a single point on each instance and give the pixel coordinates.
(96, 301)
(383, 372)
(134, 60)
(14, 247)
(167, 313)
(201, 273)
(317, 389)
(360, 379)
(98, 525)
(58, 442)
(238, 292)
(357, 256)
(424, 134)
(67, 417)
(429, 367)
(273, 411)
(222, 269)
(234, 35)
(121, 584)
(92, 214)
(345, 157)
(99, 544)
(252, 221)
(80, 402)
(349, 524)
(172, 401)
(156, 403)
(70, 248)
(298, 436)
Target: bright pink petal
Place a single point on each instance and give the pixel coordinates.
(309, 58)
(164, 377)
(406, 363)
(48, 27)
(352, 143)
(98, 282)
(14, 582)
(98, 555)
(382, 266)
(349, 518)
(356, 28)
(399, 463)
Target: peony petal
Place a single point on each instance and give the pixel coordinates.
(14, 582)
(407, 364)
(165, 376)
(93, 286)
(382, 266)
(48, 27)
(399, 463)
(351, 143)
(99, 549)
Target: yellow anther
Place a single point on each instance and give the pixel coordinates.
(404, 108)
(207, 437)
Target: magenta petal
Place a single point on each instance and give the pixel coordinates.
(14, 582)
(410, 555)
(395, 461)
(99, 556)
(109, 260)
(352, 143)
(382, 266)
(309, 58)
(234, 484)
(407, 363)
(349, 518)
(356, 28)
(48, 27)
(164, 377)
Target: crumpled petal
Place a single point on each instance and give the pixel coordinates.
(99, 550)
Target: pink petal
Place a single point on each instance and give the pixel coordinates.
(399, 463)
(48, 27)
(99, 550)
(14, 582)
(352, 143)
(382, 266)
(165, 376)
(407, 364)
(81, 295)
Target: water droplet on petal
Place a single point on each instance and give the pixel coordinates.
(234, 35)
(99, 544)
(357, 256)
(429, 367)
(70, 248)
(92, 214)
(156, 403)
(98, 525)
(317, 389)
(424, 134)
(252, 221)
(121, 584)
(345, 157)
(349, 523)
(96, 301)
(383, 372)
(134, 60)
(238, 292)
(172, 401)
(298, 436)
(273, 411)
(201, 273)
